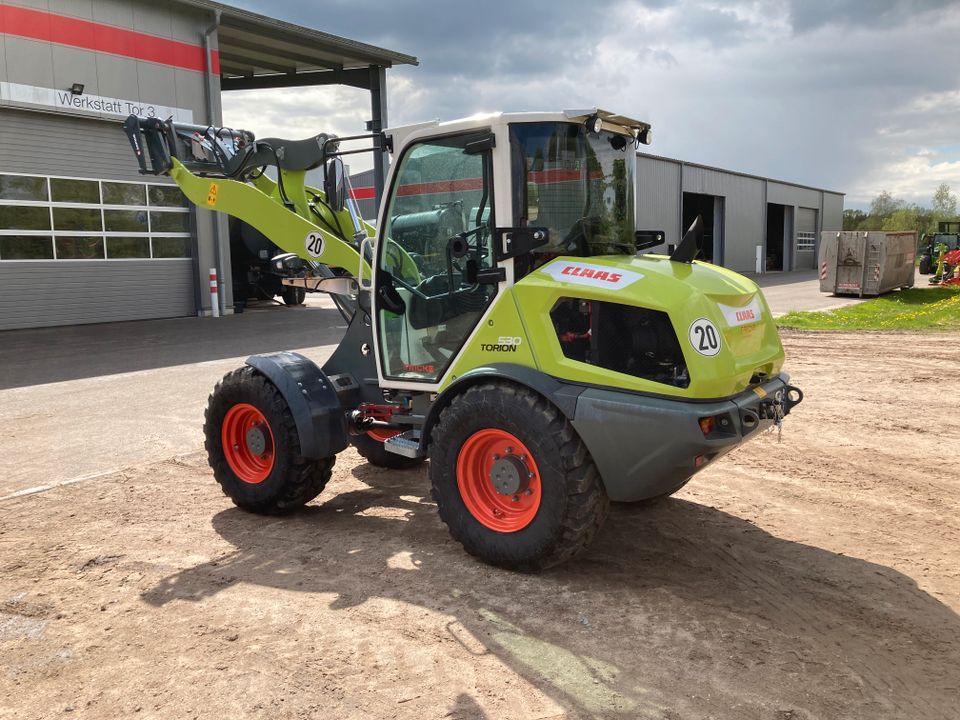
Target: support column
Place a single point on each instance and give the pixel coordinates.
(378, 107)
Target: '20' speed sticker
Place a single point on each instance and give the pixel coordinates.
(313, 243)
(704, 337)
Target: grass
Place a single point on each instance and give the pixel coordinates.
(914, 309)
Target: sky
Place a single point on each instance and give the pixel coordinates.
(854, 96)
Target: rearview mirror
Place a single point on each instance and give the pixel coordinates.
(335, 185)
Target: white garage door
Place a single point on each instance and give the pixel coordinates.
(82, 250)
(805, 247)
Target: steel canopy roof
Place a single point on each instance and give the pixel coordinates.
(258, 51)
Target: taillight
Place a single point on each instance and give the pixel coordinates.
(707, 424)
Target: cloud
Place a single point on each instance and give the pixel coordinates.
(807, 15)
(840, 94)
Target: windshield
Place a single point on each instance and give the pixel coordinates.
(578, 184)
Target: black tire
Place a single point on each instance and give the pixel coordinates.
(924, 265)
(293, 480)
(375, 453)
(573, 502)
(293, 295)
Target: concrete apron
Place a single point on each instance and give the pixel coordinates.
(56, 429)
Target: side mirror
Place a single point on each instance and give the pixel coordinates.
(335, 185)
(287, 263)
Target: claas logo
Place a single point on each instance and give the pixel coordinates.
(595, 273)
(748, 314)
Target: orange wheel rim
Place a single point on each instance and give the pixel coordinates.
(382, 434)
(248, 443)
(498, 480)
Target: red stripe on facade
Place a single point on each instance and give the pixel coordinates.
(48, 27)
(363, 193)
(553, 176)
(542, 177)
(441, 186)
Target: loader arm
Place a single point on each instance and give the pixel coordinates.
(223, 169)
(285, 227)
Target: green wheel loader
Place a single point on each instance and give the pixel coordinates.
(502, 322)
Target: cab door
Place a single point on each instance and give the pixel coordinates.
(435, 265)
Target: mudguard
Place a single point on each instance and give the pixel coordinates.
(563, 395)
(321, 422)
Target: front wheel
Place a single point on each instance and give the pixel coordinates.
(512, 479)
(254, 448)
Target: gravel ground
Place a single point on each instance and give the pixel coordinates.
(816, 578)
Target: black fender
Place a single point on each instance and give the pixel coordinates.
(321, 421)
(563, 395)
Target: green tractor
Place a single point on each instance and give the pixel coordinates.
(934, 245)
(502, 322)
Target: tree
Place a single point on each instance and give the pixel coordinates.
(903, 219)
(884, 205)
(853, 219)
(944, 202)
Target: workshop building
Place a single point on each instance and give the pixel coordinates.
(83, 237)
(751, 223)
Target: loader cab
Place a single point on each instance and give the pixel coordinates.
(458, 192)
(576, 182)
(434, 253)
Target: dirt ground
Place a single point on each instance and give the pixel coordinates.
(817, 578)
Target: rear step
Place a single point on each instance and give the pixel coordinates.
(406, 444)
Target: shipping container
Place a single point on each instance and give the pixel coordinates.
(866, 263)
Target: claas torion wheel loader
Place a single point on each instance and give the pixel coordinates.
(502, 322)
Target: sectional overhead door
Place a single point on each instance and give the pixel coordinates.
(82, 238)
(805, 244)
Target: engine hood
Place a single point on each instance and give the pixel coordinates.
(721, 319)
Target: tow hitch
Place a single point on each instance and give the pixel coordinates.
(779, 405)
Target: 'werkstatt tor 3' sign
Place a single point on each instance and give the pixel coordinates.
(65, 101)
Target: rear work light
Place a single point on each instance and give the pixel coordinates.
(716, 425)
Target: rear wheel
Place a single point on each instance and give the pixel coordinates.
(254, 448)
(370, 446)
(513, 481)
(293, 295)
(924, 265)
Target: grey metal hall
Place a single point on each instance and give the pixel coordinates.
(83, 237)
(752, 224)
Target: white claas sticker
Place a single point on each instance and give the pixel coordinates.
(742, 315)
(593, 275)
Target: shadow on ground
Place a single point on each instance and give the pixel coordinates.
(46, 355)
(672, 595)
